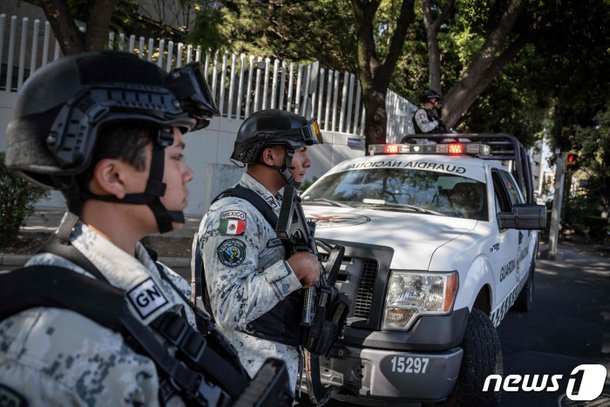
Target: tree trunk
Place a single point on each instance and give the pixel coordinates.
(98, 24)
(374, 76)
(484, 66)
(375, 118)
(434, 54)
(70, 38)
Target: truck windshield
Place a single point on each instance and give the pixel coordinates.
(404, 189)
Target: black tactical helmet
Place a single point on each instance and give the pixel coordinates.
(430, 94)
(63, 106)
(274, 127)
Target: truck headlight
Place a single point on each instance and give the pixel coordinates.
(411, 294)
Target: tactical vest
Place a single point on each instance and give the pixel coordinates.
(204, 370)
(283, 322)
(432, 115)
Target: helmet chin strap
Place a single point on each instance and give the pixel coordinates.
(155, 189)
(285, 170)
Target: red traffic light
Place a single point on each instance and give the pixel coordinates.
(571, 158)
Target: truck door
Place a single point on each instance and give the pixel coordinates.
(525, 238)
(503, 254)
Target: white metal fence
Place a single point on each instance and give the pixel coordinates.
(241, 84)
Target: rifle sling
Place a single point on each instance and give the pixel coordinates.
(52, 286)
(256, 200)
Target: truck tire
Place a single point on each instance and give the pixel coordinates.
(525, 300)
(482, 357)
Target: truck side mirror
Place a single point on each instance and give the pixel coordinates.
(524, 216)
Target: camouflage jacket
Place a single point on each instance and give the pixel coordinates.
(428, 121)
(246, 274)
(51, 356)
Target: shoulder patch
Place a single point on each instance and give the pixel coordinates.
(232, 222)
(9, 397)
(231, 252)
(146, 297)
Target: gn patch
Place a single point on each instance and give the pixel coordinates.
(146, 298)
(231, 252)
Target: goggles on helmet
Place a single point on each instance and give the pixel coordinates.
(310, 133)
(191, 89)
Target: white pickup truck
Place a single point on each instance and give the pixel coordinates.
(441, 241)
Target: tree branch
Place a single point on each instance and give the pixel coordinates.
(406, 17)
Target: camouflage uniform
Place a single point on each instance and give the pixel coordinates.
(246, 274)
(428, 121)
(55, 354)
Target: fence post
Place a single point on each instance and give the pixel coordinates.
(223, 74)
(132, 43)
(2, 20)
(266, 83)
(290, 83)
(45, 43)
(320, 94)
(11, 52)
(231, 85)
(249, 87)
(240, 86)
(179, 56)
(34, 57)
(141, 46)
(170, 55)
(329, 92)
(257, 86)
(276, 66)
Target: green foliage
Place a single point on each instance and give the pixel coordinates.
(307, 183)
(17, 199)
(578, 216)
(299, 31)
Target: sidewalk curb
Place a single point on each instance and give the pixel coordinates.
(14, 260)
(18, 260)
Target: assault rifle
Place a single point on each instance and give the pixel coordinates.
(325, 309)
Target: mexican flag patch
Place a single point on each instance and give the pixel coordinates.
(232, 223)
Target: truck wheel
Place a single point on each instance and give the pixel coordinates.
(525, 300)
(482, 357)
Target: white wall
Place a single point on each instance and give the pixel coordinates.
(207, 153)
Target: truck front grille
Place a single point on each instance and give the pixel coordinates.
(364, 295)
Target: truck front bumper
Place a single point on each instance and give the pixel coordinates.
(384, 374)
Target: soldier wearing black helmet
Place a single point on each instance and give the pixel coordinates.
(427, 119)
(110, 326)
(251, 288)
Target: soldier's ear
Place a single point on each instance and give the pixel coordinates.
(271, 154)
(109, 178)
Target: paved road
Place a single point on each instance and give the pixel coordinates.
(568, 326)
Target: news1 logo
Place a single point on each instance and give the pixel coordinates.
(585, 383)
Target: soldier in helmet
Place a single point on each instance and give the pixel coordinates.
(107, 130)
(427, 119)
(253, 290)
